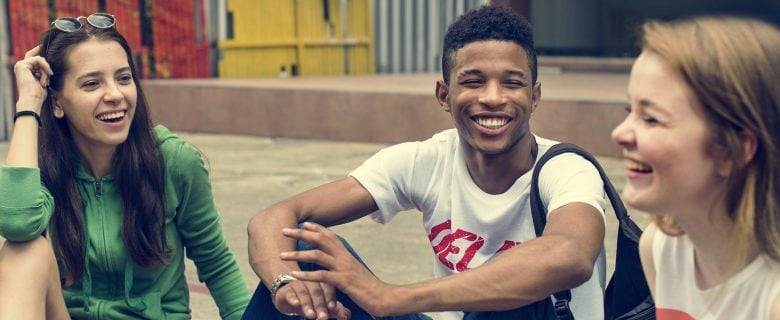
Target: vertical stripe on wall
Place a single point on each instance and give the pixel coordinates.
(381, 32)
(395, 34)
(408, 43)
(432, 38)
(419, 36)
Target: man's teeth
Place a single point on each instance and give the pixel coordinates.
(636, 166)
(492, 123)
(111, 116)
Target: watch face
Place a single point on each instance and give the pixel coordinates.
(287, 278)
(281, 280)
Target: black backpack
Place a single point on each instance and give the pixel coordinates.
(627, 296)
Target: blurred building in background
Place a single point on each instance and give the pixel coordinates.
(271, 38)
(289, 38)
(408, 33)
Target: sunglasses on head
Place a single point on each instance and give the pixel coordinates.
(70, 24)
(97, 20)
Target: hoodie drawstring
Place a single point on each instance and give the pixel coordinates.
(140, 305)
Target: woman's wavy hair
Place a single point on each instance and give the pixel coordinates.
(732, 64)
(137, 167)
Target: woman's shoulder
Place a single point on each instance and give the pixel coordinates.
(165, 137)
(176, 152)
(764, 279)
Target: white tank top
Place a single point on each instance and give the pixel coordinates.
(747, 295)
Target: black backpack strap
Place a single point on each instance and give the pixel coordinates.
(539, 212)
(561, 306)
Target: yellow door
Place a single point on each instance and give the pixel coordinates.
(274, 38)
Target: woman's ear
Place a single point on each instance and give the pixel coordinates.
(57, 109)
(749, 145)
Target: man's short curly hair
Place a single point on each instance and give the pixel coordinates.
(488, 23)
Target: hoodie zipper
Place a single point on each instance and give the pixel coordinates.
(104, 245)
(98, 188)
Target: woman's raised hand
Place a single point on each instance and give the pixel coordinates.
(32, 77)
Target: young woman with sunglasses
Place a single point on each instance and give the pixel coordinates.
(96, 204)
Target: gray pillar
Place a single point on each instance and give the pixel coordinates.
(6, 81)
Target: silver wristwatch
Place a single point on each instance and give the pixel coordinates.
(280, 281)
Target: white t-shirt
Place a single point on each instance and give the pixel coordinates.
(747, 295)
(467, 226)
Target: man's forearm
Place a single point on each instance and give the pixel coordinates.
(518, 277)
(266, 243)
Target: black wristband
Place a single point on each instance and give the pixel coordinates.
(28, 113)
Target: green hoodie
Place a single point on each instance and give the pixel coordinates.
(112, 285)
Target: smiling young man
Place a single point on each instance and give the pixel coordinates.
(472, 186)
